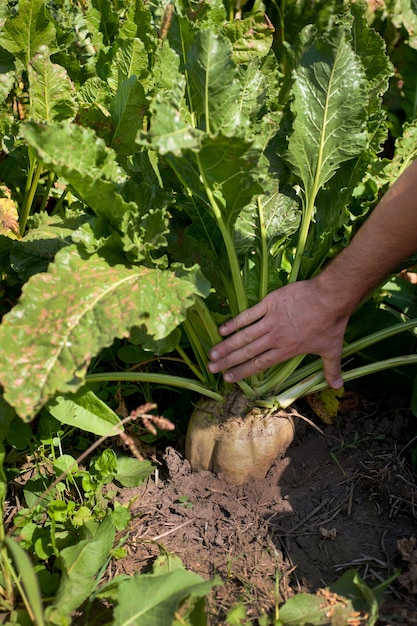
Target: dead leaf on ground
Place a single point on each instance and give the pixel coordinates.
(408, 551)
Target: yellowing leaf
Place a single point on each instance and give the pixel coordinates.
(9, 217)
(326, 403)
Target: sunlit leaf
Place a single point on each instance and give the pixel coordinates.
(51, 91)
(67, 315)
(28, 30)
(86, 411)
(80, 157)
(131, 472)
(213, 83)
(329, 109)
(130, 59)
(151, 600)
(80, 563)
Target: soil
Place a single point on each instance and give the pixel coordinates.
(342, 498)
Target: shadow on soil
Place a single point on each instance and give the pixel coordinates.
(341, 499)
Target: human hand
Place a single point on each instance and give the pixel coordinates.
(290, 321)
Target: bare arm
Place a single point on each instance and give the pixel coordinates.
(310, 317)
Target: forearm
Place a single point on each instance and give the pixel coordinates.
(386, 239)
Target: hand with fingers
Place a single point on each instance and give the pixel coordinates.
(310, 317)
(290, 321)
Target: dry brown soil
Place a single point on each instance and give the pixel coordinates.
(338, 500)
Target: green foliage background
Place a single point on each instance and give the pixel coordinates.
(163, 166)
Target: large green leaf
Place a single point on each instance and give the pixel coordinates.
(130, 59)
(79, 156)
(86, 411)
(224, 165)
(67, 315)
(152, 600)
(259, 88)
(80, 564)
(51, 91)
(213, 85)
(128, 110)
(371, 49)
(28, 30)
(250, 37)
(329, 105)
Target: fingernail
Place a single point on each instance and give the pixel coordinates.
(214, 355)
(212, 367)
(338, 383)
(228, 378)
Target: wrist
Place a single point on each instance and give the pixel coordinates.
(334, 294)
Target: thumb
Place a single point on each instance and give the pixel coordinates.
(332, 371)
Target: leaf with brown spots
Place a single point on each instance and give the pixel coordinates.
(68, 314)
(9, 217)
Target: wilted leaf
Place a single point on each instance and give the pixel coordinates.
(337, 604)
